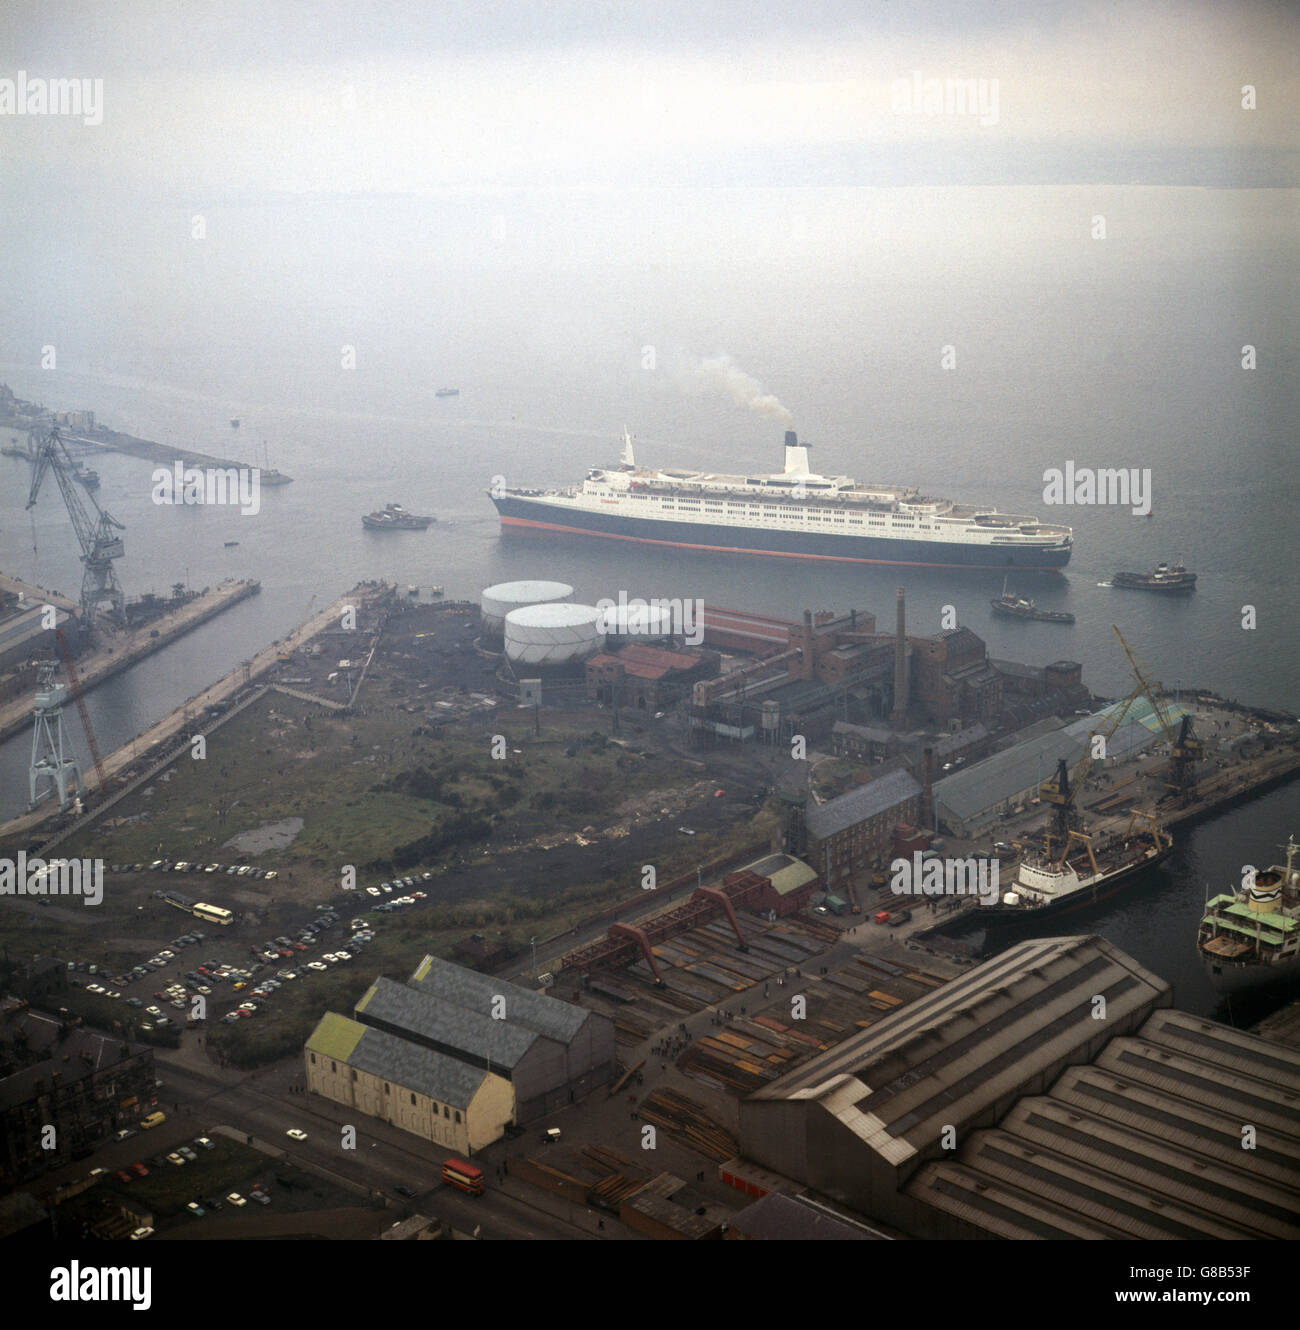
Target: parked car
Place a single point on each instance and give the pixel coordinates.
(296, 1134)
(236, 1199)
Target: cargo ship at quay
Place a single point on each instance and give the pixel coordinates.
(795, 513)
(1047, 886)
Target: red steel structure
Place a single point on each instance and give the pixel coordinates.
(624, 943)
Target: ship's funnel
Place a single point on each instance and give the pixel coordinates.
(796, 455)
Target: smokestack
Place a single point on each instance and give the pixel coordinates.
(791, 439)
(899, 717)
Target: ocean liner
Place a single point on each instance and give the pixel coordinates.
(1251, 937)
(795, 513)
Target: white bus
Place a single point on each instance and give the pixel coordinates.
(213, 914)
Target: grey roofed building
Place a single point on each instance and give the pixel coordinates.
(871, 733)
(440, 1077)
(857, 1121)
(780, 1218)
(879, 796)
(478, 992)
(441, 1025)
(970, 800)
(1146, 1142)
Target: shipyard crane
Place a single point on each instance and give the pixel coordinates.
(99, 545)
(1185, 749)
(1069, 780)
(74, 687)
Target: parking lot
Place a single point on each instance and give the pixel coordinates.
(249, 980)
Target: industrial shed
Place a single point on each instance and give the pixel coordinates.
(550, 1052)
(428, 1094)
(1063, 1125)
(970, 801)
(1147, 1142)
(858, 1121)
(791, 883)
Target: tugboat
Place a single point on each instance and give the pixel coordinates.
(1251, 937)
(1164, 578)
(1047, 886)
(393, 517)
(83, 475)
(1020, 608)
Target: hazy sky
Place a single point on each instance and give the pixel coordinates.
(360, 96)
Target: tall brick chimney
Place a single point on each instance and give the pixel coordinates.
(899, 718)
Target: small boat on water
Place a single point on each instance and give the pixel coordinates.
(393, 517)
(230, 544)
(447, 392)
(1164, 578)
(1017, 607)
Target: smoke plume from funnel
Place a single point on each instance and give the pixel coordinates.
(724, 375)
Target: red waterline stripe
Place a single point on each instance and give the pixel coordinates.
(729, 549)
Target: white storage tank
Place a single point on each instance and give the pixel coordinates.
(636, 623)
(497, 601)
(551, 635)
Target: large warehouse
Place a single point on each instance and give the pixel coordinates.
(1047, 1093)
(428, 1094)
(458, 1042)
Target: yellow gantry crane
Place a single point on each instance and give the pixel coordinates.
(1185, 749)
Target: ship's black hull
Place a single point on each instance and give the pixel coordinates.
(1136, 583)
(522, 514)
(1038, 616)
(1004, 916)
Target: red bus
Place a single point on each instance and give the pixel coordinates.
(464, 1177)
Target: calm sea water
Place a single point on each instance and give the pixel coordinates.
(595, 311)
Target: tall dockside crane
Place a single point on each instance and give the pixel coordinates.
(99, 543)
(1185, 749)
(1061, 795)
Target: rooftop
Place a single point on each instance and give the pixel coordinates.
(476, 993)
(433, 1020)
(446, 1079)
(847, 810)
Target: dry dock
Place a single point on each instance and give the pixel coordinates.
(219, 694)
(111, 441)
(124, 649)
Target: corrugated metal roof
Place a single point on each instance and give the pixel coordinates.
(946, 1057)
(996, 779)
(1267, 1208)
(857, 805)
(779, 1218)
(476, 993)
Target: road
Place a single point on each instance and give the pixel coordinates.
(262, 1105)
